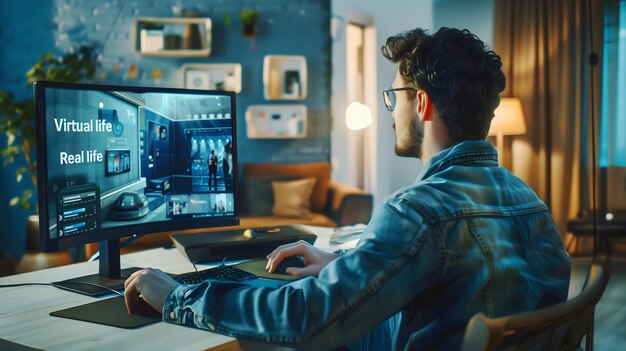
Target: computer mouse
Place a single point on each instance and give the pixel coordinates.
(292, 261)
(250, 234)
(143, 308)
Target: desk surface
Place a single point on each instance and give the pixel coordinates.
(25, 311)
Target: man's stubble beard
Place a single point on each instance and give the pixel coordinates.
(414, 146)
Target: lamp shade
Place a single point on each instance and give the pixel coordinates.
(358, 116)
(509, 118)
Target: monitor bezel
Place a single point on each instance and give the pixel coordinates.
(174, 225)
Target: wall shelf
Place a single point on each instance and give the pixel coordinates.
(218, 76)
(284, 77)
(276, 121)
(172, 37)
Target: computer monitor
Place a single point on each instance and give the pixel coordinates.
(116, 161)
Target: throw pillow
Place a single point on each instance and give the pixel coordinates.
(293, 198)
(258, 195)
(319, 170)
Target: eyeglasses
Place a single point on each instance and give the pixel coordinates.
(389, 96)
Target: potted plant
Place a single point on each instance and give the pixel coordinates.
(17, 120)
(249, 18)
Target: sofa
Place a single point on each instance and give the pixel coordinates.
(331, 203)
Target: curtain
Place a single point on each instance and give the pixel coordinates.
(545, 48)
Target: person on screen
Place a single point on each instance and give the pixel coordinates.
(227, 157)
(466, 237)
(226, 164)
(212, 165)
(162, 133)
(220, 206)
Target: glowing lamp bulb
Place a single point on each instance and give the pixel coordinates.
(358, 116)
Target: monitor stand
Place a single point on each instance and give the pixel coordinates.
(109, 277)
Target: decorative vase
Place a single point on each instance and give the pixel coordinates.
(249, 30)
(191, 33)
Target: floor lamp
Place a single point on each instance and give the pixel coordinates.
(359, 117)
(508, 120)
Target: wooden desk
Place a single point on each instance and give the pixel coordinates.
(25, 319)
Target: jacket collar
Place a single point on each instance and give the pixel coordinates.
(469, 153)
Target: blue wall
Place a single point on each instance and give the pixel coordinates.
(22, 42)
(30, 28)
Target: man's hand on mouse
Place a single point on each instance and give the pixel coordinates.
(152, 284)
(314, 259)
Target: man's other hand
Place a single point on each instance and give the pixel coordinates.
(314, 259)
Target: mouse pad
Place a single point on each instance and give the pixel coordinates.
(111, 311)
(257, 267)
(13, 346)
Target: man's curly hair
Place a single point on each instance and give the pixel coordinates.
(459, 72)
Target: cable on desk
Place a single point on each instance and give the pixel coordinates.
(50, 284)
(223, 263)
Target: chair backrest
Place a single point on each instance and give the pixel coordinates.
(558, 327)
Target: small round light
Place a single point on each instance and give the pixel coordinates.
(358, 116)
(609, 216)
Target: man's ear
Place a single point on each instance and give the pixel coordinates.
(424, 105)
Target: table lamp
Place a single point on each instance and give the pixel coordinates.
(508, 120)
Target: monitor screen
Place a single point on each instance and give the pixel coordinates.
(115, 161)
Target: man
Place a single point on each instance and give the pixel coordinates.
(467, 237)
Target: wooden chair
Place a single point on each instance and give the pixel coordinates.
(558, 327)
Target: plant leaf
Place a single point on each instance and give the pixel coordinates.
(17, 118)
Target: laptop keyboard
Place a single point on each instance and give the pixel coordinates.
(222, 272)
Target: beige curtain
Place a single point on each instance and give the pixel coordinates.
(545, 47)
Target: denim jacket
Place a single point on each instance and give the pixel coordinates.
(467, 237)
